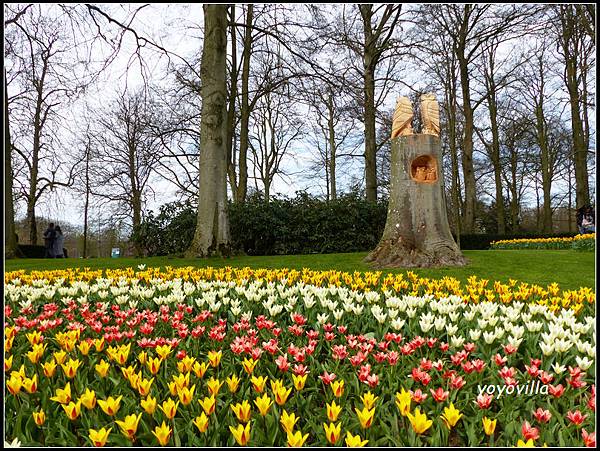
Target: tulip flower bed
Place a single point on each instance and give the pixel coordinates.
(586, 242)
(204, 357)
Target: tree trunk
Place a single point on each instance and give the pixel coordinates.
(10, 238)
(332, 148)
(233, 79)
(212, 234)
(545, 163)
(467, 150)
(369, 62)
(87, 199)
(417, 233)
(240, 195)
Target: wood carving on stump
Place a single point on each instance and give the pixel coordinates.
(417, 233)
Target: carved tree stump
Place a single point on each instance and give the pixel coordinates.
(417, 233)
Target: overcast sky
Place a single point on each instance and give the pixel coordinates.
(177, 27)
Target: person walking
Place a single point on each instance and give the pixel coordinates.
(49, 237)
(588, 223)
(59, 242)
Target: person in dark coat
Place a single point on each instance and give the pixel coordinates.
(58, 244)
(49, 237)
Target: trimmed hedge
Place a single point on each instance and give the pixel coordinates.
(34, 251)
(288, 226)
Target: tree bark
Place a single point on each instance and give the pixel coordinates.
(233, 80)
(212, 236)
(332, 148)
(242, 189)
(417, 233)
(369, 93)
(10, 239)
(87, 199)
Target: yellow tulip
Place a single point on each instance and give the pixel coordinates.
(369, 399)
(214, 358)
(528, 444)
(149, 405)
(181, 380)
(100, 437)
(88, 399)
(163, 351)
(419, 421)
(242, 411)
(39, 417)
(263, 403)
(451, 416)
(403, 400)
(241, 433)
(8, 363)
(129, 425)
(214, 385)
(143, 386)
(30, 385)
(72, 409)
(153, 365)
(110, 406)
(142, 357)
(365, 416)
(63, 396)
(208, 404)
(296, 439)
(49, 368)
(258, 383)
(84, 347)
(333, 410)
(186, 394)
(332, 432)
(288, 421)
(162, 434)
(60, 356)
(281, 394)
(102, 368)
(489, 426)
(199, 369)
(233, 383)
(99, 344)
(338, 388)
(354, 441)
(299, 381)
(34, 337)
(249, 365)
(169, 407)
(185, 364)
(201, 422)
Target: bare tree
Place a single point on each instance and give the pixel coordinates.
(127, 153)
(43, 78)
(275, 127)
(577, 49)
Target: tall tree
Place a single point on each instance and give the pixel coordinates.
(127, 149)
(212, 234)
(575, 47)
(10, 238)
(471, 28)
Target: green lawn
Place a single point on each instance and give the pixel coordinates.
(570, 269)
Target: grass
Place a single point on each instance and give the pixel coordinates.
(570, 269)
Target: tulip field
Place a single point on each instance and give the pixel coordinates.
(281, 357)
(582, 242)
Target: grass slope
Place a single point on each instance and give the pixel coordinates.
(570, 269)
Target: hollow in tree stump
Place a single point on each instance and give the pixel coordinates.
(417, 233)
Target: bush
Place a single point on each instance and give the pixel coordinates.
(300, 225)
(32, 250)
